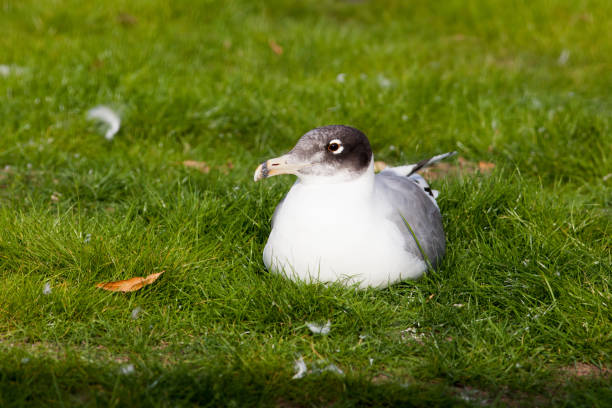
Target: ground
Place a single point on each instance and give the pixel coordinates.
(517, 314)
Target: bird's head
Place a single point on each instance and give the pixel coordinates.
(327, 154)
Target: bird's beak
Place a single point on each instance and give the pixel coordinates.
(286, 164)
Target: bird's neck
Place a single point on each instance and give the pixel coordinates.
(358, 187)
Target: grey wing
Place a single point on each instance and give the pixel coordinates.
(411, 204)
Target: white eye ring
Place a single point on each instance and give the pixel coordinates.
(339, 149)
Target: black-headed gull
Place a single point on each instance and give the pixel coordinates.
(340, 222)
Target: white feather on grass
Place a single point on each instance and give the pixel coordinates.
(108, 116)
(318, 329)
(334, 369)
(300, 368)
(7, 70)
(127, 369)
(136, 312)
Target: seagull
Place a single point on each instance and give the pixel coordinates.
(341, 222)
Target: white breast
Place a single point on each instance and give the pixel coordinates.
(338, 233)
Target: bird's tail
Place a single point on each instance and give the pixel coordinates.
(410, 169)
(428, 162)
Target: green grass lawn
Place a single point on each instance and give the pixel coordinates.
(519, 312)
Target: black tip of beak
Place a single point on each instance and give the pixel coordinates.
(264, 169)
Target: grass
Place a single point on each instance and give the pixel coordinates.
(522, 297)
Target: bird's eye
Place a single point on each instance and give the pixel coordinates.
(335, 146)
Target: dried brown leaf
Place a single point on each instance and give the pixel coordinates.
(380, 166)
(381, 378)
(96, 64)
(463, 162)
(129, 285)
(198, 165)
(126, 19)
(462, 167)
(485, 166)
(277, 49)
(586, 370)
(227, 167)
